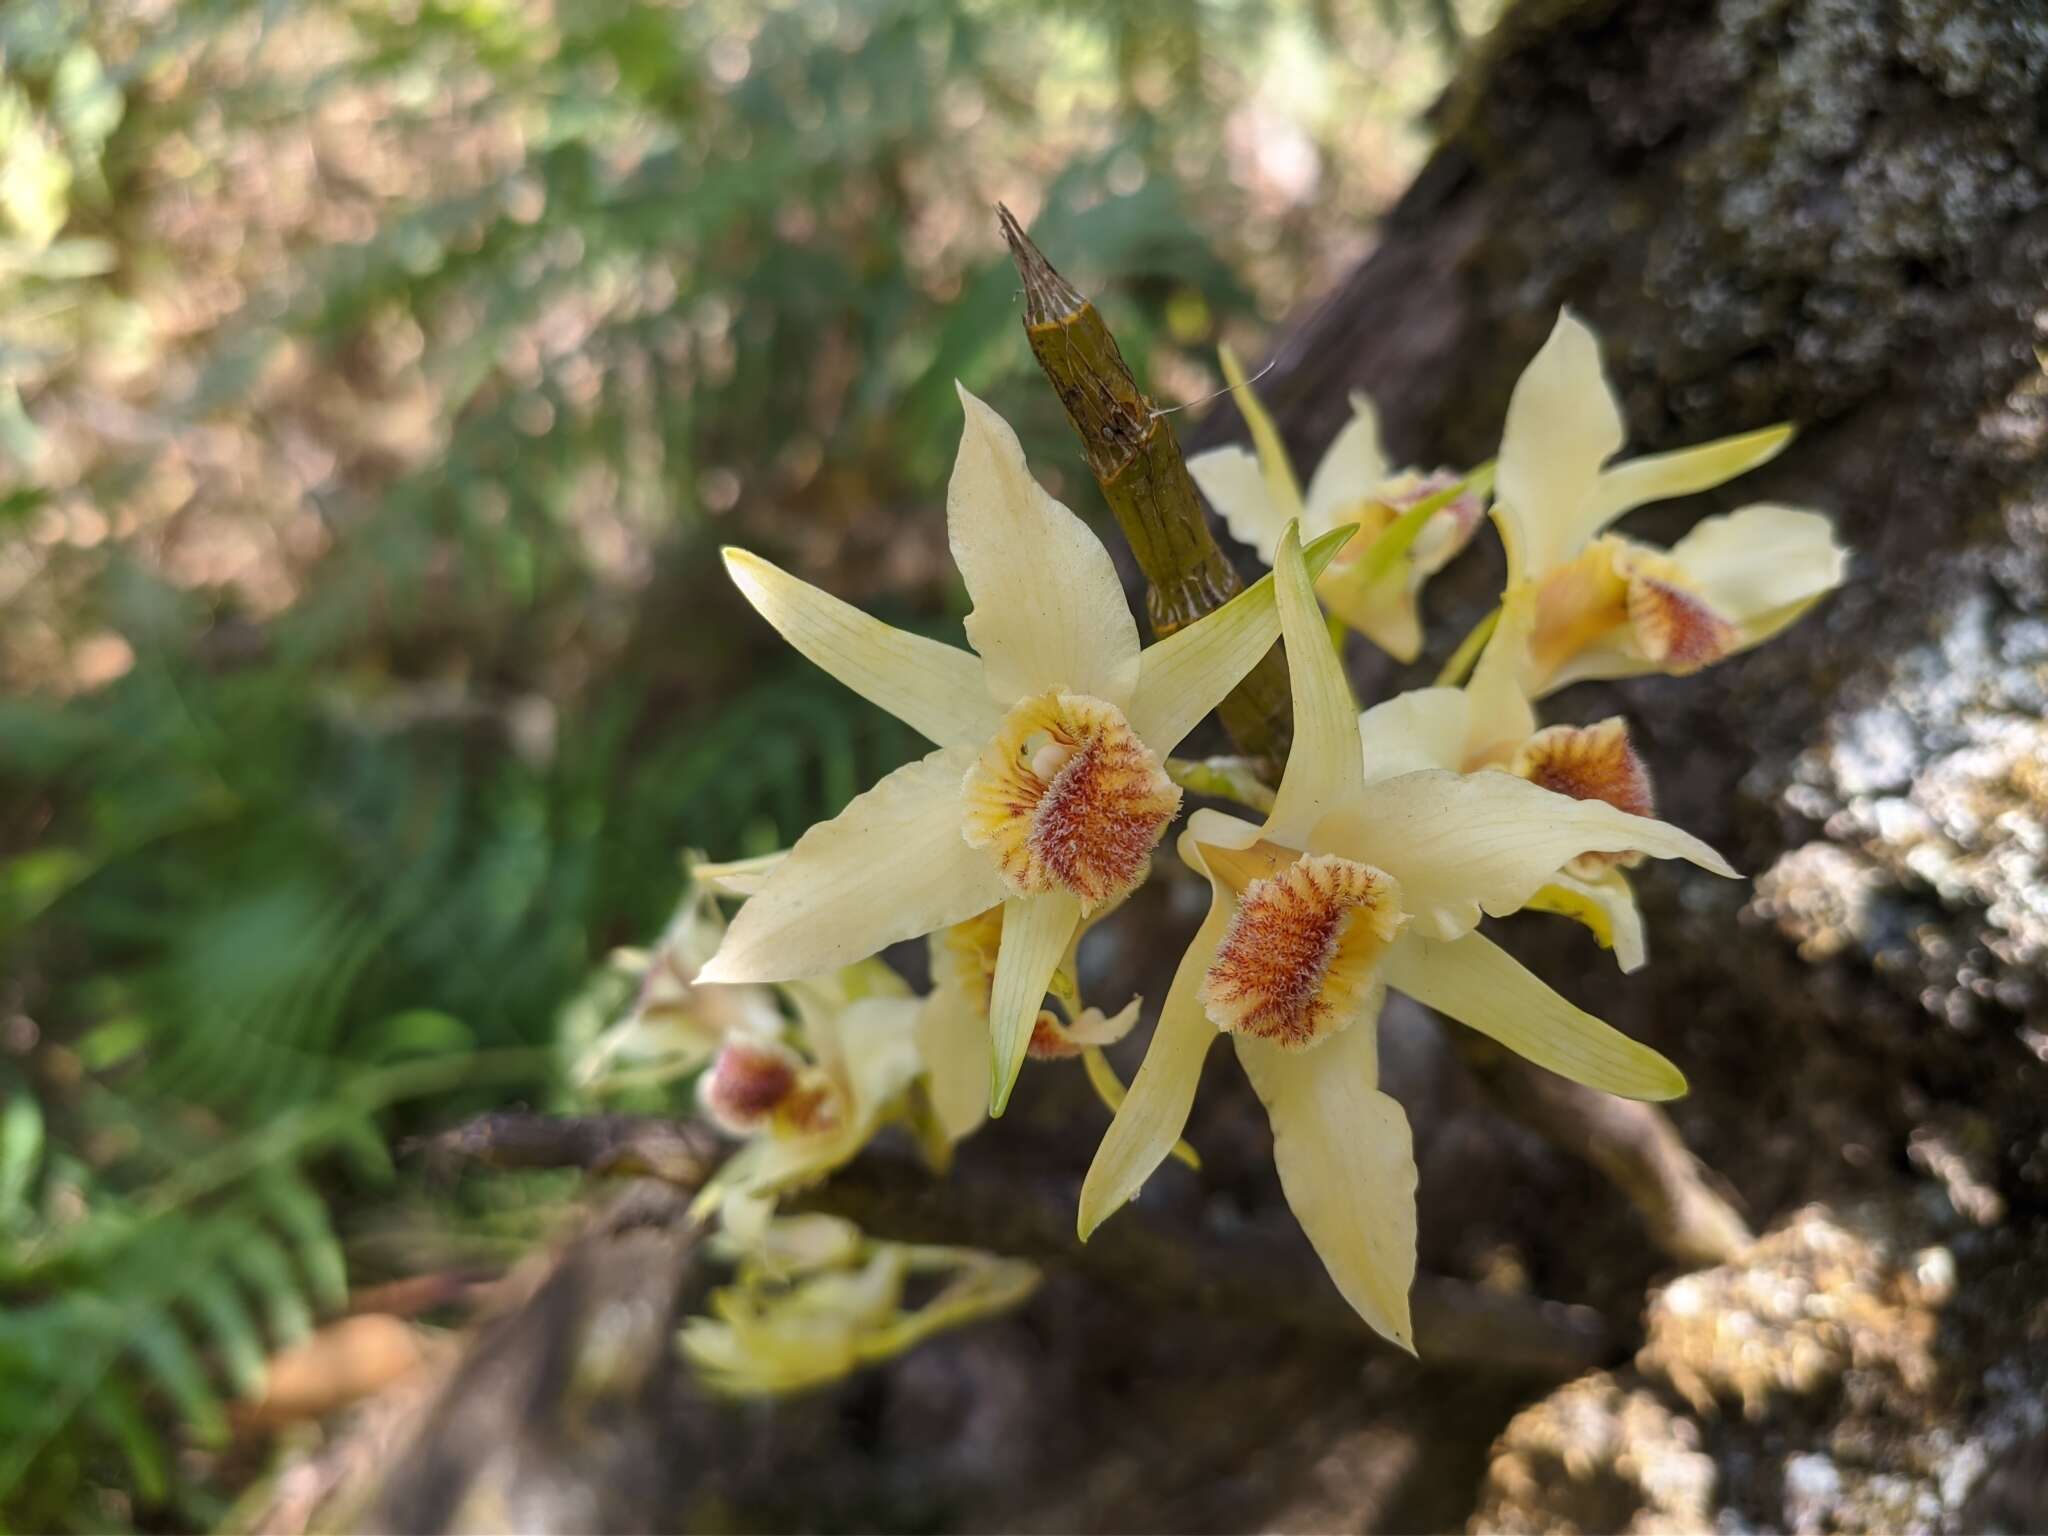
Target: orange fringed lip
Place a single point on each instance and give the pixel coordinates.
(1297, 962)
(1066, 797)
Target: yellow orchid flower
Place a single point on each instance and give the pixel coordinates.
(1046, 795)
(806, 1111)
(814, 1300)
(1608, 606)
(1258, 495)
(1490, 724)
(1346, 889)
(674, 1024)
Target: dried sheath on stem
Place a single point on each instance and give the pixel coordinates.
(1134, 457)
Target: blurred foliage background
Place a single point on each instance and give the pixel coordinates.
(377, 381)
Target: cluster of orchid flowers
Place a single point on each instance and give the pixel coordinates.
(1369, 866)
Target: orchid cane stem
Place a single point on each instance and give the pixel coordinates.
(1137, 462)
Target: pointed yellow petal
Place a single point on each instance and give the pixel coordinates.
(1762, 565)
(1231, 481)
(1110, 1089)
(1662, 476)
(1388, 612)
(878, 1048)
(1324, 770)
(1481, 985)
(1282, 489)
(1463, 844)
(1500, 714)
(1049, 611)
(1151, 1118)
(737, 877)
(1347, 1165)
(1036, 933)
(1351, 469)
(891, 866)
(935, 689)
(1562, 424)
(952, 1038)
(1605, 907)
(1422, 728)
(1184, 676)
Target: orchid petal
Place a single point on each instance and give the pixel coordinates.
(1347, 1165)
(1351, 469)
(1562, 424)
(1191, 671)
(1481, 985)
(1282, 489)
(952, 1039)
(891, 866)
(1462, 844)
(1388, 612)
(1324, 769)
(1422, 728)
(1049, 611)
(934, 688)
(1762, 565)
(1500, 713)
(878, 1049)
(737, 877)
(1605, 907)
(1094, 1029)
(1234, 485)
(1036, 932)
(1109, 1088)
(1663, 476)
(1149, 1121)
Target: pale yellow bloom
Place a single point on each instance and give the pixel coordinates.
(1608, 606)
(1046, 794)
(808, 1105)
(1347, 888)
(813, 1300)
(674, 1024)
(1489, 724)
(1257, 496)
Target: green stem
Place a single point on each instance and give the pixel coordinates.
(1459, 667)
(1136, 461)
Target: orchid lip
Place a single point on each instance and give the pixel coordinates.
(1066, 797)
(1300, 957)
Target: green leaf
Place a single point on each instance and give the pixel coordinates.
(21, 1151)
(303, 1215)
(219, 1304)
(161, 1346)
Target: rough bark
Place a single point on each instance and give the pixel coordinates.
(1829, 212)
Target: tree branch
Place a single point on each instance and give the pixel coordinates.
(1635, 1145)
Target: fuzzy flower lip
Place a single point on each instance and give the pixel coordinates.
(1048, 821)
(1588, 762)
(748, 1082)
(1298, 959)
(1370, 883)
(1066, 797)
(1610, 607)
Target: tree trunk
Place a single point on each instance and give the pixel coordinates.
(1824, 211)
(1831, 213)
